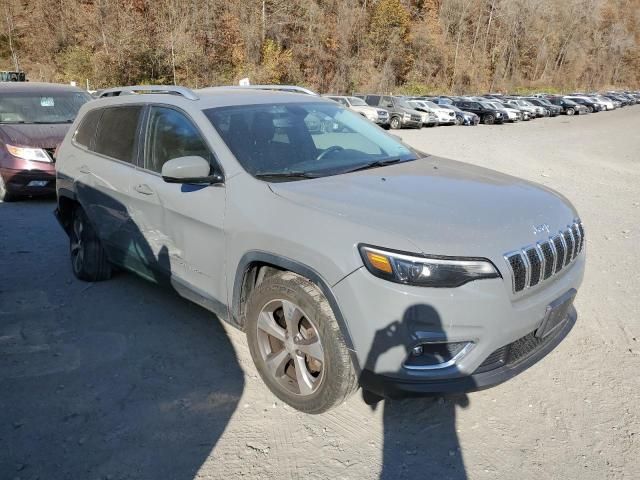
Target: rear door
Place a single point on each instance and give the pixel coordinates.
(105, 170)
(181, 224)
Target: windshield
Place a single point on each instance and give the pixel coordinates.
(487, 105)
(358, 102)
(429, 103)
(569, 102)
(45, 107)
(318, 139)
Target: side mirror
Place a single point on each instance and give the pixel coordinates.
(192, 169)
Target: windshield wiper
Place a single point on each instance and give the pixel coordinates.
(291, 174)
(375, 164)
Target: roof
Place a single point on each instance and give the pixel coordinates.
(212, 97)
(26, 87)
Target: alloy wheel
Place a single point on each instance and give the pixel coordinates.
(290, 347)
(77, 246)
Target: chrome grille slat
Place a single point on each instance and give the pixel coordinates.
(550, 268)
(537, 263)
(578, 238)
(561, 250)
(518, 270)
(567, 236)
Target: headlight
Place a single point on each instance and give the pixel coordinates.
(32, 154)
(425, 271)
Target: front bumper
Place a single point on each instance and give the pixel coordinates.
(19, 182)
(391, 387)
(387, 320)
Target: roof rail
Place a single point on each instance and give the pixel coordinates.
(136, 89)
(280, 88)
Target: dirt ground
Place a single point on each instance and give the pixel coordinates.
(124, 380)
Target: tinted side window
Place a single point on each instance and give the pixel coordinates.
(87, 129)
(116, 136)
(171, 135)
(372, 100)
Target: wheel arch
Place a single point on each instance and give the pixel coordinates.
(67, 202)
(258, 263)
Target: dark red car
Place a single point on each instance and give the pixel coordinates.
(34, 118)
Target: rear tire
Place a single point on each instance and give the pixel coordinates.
(286, 315)
(89, 260)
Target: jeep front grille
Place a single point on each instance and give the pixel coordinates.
(536, 263)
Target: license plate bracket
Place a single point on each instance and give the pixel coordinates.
(556, 313)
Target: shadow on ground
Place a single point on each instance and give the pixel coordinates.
(119, 379)
(420, 438)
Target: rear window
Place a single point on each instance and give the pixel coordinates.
(87, 129)
(116, 135)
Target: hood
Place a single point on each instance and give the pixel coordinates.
(34, 135)
(442, 206)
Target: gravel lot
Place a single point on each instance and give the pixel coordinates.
(124, 380)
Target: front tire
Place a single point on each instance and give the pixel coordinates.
(489, 119)
(89, 260)
(395, 123)
(296, 344)
(570, 111)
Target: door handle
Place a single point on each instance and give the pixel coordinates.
(144, 189)
(84, 169)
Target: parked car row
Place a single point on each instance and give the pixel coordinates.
(395, 112)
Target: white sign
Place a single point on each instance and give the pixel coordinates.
(244, 82)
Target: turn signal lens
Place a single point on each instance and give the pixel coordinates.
(379, 262)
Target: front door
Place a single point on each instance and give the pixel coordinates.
(181, 224)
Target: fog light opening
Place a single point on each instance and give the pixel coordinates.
(431, 355)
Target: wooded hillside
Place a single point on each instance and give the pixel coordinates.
(417, 46)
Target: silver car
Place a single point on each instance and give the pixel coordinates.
(346, 256)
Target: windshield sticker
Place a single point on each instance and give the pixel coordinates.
(47, 102)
